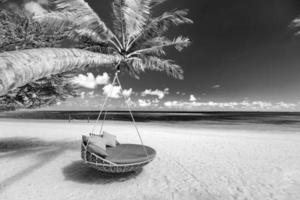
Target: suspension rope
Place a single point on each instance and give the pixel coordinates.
(103, 120)
(104, 103)
(116, 79)
(102, 107)
(133, 120)
(105, 114)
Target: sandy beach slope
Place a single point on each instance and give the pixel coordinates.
(40, 160)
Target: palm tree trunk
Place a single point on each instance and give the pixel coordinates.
(18, 68)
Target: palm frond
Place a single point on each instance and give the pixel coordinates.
(157, 64)
(79, 13)
(43, 92)
(181, 42)
(67, 22)
(131, 15)
(132, 71)
(157, 41)
(118, 20)
(154, 46)
(158, 26)
(136, 14)
(57, 20)
(167, 19)
(18, 68)
(78, 34)
(156, 2)
(157, 44)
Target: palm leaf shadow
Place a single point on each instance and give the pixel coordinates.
(77, 171)
(17, 146)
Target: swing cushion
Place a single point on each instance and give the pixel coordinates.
(85, 138)
(110, 140)
(92, 148)
(129, 153)
(98, 141)
(96, 145)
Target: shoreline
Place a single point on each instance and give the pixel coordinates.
(203, 124)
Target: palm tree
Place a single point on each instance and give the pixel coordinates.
(136, 43)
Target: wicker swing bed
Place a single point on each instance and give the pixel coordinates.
(122, 158)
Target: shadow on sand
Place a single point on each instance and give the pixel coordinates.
(20, 146)
(44, 153)
(20, 143)
(17, 146)
(80, 172)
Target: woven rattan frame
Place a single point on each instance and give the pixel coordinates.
(104, 165)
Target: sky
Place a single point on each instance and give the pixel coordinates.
(243, 57)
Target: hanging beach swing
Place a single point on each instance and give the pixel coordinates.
(121, 158)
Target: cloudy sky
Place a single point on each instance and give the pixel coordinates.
(244, 56)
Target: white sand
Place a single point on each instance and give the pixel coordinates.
(41, 161)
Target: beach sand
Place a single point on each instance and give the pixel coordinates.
(40, 160)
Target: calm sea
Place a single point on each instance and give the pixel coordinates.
(144, 116)
(243, 120)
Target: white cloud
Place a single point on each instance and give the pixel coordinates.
(243, 105)
(192, 98)
(112, 91)
(209, 104)
(82, 95)
(171, 104)
(159, 93)
(155, 101)
(89, 81)
(261, 104)
(130, 102)
(216, 86)
(115, 91)
(35, 8)
(286, 105)
(127, 93)
(144, 103)
(91, 93)
(102, 79)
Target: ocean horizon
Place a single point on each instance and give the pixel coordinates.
(278, 118)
